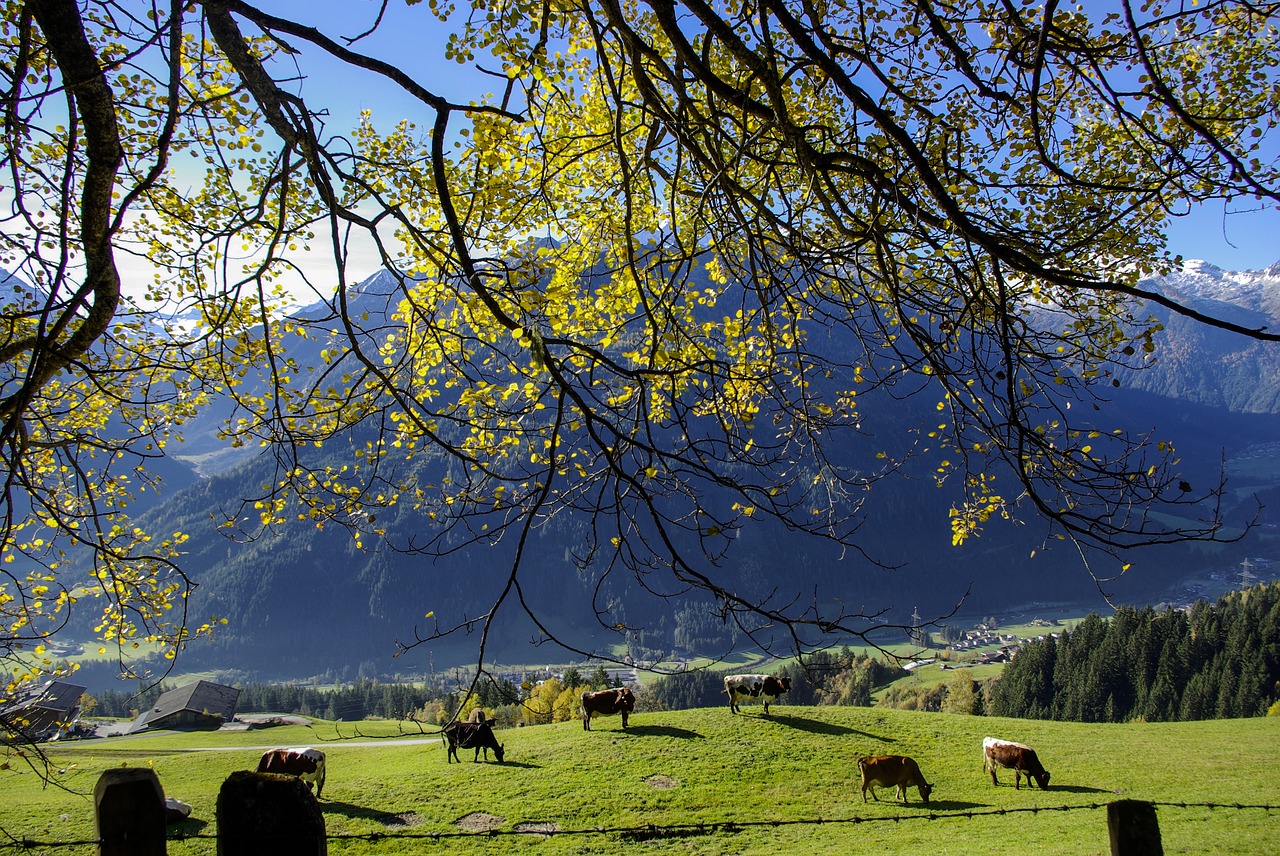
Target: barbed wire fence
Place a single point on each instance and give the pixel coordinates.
(652, 832)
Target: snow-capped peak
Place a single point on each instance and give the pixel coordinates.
(1249, 289)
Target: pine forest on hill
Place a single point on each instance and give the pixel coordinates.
(1217, 661)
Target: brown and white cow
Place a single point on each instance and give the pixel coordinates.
(307, 764)
(761, 688)
(892, 771)
(1021, 759)
(472, 735)
(607, 703)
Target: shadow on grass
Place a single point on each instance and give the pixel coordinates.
(657, 833)
(508, 763)
(188, 827)
(664, 731)
(814, 726)
(941, 805)
(1075, 789)
(361, 812)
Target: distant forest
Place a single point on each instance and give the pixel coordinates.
(430, 702)
(353, 702)
(1216, 662)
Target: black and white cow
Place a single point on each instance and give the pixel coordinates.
(751, 688)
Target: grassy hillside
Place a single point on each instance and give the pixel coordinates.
(709, 767)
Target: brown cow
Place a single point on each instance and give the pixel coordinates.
(889, 771)
(606, 703)
(762, 688)
(1021, 759)
(306, 764)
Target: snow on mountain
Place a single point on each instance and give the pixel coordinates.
(1205, 365)
(1257, 291)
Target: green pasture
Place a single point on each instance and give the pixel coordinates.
(786, 783)
(927, 676)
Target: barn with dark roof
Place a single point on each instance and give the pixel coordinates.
(203, 704)
(45, 711)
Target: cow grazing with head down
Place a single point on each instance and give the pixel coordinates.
(478, 717)
(761, 688)
(1021, 759)
(472, 735)
(607, 703)
(306, 764)
(892, 771)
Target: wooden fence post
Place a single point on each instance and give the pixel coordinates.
(128, 811)
(267, 814)
(1134, 829)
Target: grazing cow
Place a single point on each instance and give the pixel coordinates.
(176, 811)
(1021, 759)
(607, 703)
(478, 717)
(472, 735)
(762, 688)
(889, 771)
(306, 764)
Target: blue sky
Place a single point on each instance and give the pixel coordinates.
(1238, 236)
(1229, 236)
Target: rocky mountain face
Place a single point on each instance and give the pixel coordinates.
(1202, 365)
(304, 602)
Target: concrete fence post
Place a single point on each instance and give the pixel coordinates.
(128, 811)
(1134, 829)
(267, 814)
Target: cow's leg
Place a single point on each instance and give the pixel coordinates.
(1017, 779)
(624, 720)
(902, 793)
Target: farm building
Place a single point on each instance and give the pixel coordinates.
(44, 712)
(203, 704)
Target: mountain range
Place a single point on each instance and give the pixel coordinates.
(304, 602)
